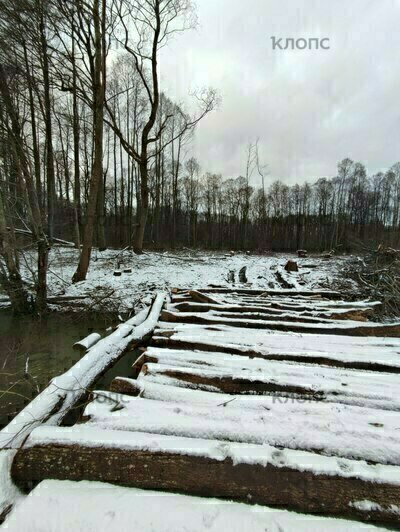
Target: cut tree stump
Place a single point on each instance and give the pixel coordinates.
(291, 266)
(242, 275)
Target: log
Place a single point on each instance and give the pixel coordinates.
(346, 432)
(250, 473)
(166, 339)
(87, 342)
(335, 388)
(202, 298)
(171, 393)
(322, 305)
(235, 385)
(268, 317)
(181, 299)
(254, 292)
(137, 365)
(357, 314)
(126, 386)
(228, 356)
(331, 328)
(65, 299)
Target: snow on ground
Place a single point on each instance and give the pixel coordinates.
(153, 270)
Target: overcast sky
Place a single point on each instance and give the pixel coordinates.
(310, 108)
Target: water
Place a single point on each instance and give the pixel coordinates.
(44, 348)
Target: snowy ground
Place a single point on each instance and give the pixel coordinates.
(152, 271)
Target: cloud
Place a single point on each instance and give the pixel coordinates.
(310, 108)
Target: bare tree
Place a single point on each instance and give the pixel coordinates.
(143, 29)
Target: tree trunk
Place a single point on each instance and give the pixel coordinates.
(11, 279)
(144, 208)
(76, 138)
(50, 173)
(101, 235)
(97, 168)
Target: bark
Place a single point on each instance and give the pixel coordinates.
(76, 138)
(97, 168)
(144, 209)
(270, 484)
(35, 147)
(50, 171)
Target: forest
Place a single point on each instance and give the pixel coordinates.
(92, 151)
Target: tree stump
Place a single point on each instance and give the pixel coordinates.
(291, 266)
(301, 253)
(242, 275)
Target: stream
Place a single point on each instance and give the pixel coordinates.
(33, 351)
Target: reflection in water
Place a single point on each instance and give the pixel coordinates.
(33, 351)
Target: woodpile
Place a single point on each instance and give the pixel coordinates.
(227, 402)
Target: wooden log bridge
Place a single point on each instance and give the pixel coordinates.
(285, 399)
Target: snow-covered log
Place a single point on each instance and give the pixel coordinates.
(331, 429)
(331, 294)
(92, 505)
(260, 474)
(202, 298)
(331, 327)
(87, 342)
(63, 392)
(335, 313)
(302, 382)
(373, 354)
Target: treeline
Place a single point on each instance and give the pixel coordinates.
(191, 209)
